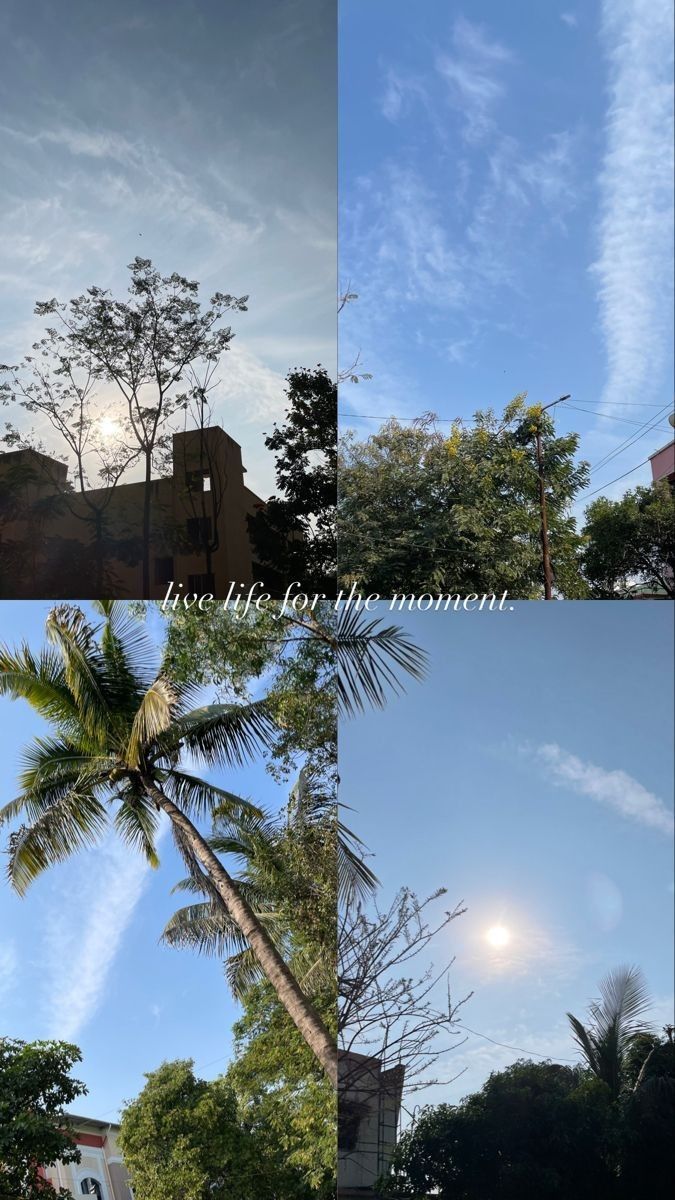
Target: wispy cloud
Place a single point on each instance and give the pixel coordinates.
(472, 72)
(8, 965)
(615, 789)
(86, 935)
(570, 19)
(634, 265)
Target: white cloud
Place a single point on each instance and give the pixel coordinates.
(634, 264)
(85, 936)
(8, 967)
(613, 788)
(570, 19)
(472, 74)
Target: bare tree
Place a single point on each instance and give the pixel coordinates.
(389, 1006)
(143, 349)
(61, 394)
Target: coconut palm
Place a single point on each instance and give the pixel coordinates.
(292, 868)
(617, 1020)
(120, 728)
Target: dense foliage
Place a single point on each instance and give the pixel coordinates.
(295, 533)
(182, 1140)
(423, 511)
(631, 541)
(36, 1088)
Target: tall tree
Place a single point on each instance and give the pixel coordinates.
(36, 1087)
(120, 729)
(423, 511)
(629, 541)
(143, 347)
(295, 532)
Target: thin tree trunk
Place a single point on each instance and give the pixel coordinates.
(147, 501)
(299, 1008)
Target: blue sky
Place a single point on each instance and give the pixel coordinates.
(506, 214)
(79, 954)
(201, 135)
(531, 775)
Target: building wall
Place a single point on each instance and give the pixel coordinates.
(663, 463)
(100, 1160)
(374, 1095)
(50, 539)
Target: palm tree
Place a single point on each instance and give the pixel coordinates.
(617, 1020)
(120, 729)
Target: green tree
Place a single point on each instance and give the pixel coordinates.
(295, 533)
(631, 540)
(535, 1129)
(120, 727)
(182, 1140)
(617, 1019)
(35, 1089)
(423, 511)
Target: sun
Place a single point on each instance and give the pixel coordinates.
(498, 936)
(109, 428)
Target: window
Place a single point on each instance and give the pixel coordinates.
(199, 531)
(91, 1187)
(198, 481)
(163, 570)
(201, 584)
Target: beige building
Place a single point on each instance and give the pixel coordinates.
(369, 1110)
(101, 1171)
(58, 542)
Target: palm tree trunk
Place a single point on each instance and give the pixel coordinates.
(299, 1008)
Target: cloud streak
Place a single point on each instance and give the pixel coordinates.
(633, 267)
(614, 789)
(86, 936)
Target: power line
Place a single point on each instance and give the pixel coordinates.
(627, 442)
(610, 417)
(505, 1045)
(606, 485)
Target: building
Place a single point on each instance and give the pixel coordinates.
(100, 1171)
(56, 541)
(662, 463)
(369, 1110)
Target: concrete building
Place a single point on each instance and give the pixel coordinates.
(57, 542)
(369, 1108)
(662, 463)
(101, 1171)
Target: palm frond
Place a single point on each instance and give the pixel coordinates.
(370, 660)
(624, 1001)
(41, 681)
(223, 734)
(584, 1040)
(152, 718)
(76, 821)
(198, 796)
(136, 821)
(84, 667)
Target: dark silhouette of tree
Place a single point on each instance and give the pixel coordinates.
(145, 349)
(295, 533)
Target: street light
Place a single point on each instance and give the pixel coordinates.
(548, 574)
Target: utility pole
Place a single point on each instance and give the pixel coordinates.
(546, 558)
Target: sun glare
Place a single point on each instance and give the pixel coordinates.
(498, 936)
(109, 428)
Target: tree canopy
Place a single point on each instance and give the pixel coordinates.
(421, 510)
(182, 1140)
(36, 1087)
(631, 541)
